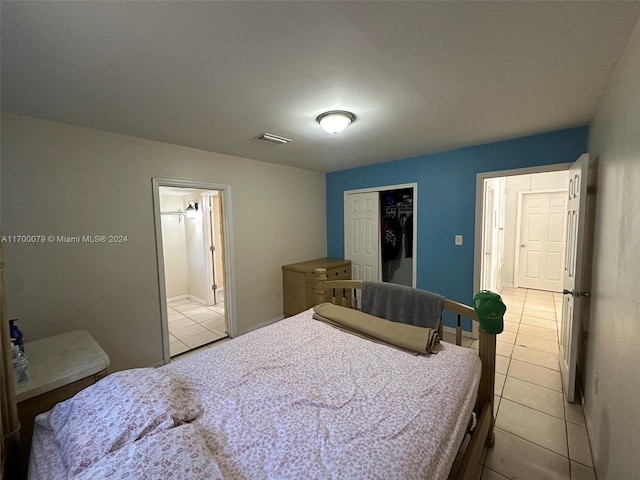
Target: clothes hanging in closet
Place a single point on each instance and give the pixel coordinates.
(391, 238)
(407, 231)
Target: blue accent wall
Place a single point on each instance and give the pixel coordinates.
(447, 200)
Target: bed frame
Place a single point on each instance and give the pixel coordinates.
(345, 293)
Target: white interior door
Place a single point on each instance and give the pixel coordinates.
(489, 221)
(573, 297)
(499, 244)
(542, 240)
(212, 230)
(362, 235)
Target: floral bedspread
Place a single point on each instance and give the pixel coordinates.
(300, 399)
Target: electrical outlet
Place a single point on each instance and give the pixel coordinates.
(275, 294)
(595, 381)
(458, 240)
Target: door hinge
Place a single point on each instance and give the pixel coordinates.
(573, 293)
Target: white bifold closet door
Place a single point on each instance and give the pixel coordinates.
(362, 232)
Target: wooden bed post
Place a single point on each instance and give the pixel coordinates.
(320, 277)
(487, 351)
(483, 435)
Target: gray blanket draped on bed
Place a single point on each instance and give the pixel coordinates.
(402, 304)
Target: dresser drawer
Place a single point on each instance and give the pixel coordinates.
(298, 282)
(339, 273)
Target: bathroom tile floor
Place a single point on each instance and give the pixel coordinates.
(192, 325)
(539, 435)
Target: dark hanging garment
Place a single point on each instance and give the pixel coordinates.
(392, 240)
(408, 237)
(383, 229)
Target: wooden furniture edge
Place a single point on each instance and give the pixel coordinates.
(320, 279)
(319, 284)
(473, 454)
(9, 423)
(341, 284)
(483, 434)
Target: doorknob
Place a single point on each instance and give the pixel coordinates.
(522, 245)
(575, 294)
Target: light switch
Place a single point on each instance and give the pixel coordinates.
(458, 239)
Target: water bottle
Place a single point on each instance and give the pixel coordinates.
(16, 334)
(19, 366)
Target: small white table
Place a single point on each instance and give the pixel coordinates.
(58, 368)
(59, 361)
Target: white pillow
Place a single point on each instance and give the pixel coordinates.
(119, 409)
(177, 454)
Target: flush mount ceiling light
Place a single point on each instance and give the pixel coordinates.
(335, 121)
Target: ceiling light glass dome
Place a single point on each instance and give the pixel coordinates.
(335, 121)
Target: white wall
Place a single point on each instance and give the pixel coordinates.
(59, 179)
(514, 185)
(613, 349)
(173, 247)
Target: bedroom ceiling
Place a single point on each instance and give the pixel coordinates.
(421, 77)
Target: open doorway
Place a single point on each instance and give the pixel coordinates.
(191, 233)
(523, 231)
(514, 210)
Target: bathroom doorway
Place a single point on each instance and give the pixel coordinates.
(193, 260)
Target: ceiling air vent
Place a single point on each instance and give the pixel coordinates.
(271, 138)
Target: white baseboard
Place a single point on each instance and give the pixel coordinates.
(198, 300)
(590, 432)
(263, 324)
(185, 296)
(178, 297)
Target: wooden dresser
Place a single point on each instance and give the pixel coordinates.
(297, 281)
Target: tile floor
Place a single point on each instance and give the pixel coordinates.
(538, 434)
(192, 325)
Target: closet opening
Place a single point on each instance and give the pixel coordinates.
(380, 228)
(396, 229)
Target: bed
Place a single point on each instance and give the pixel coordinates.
(297, 399)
